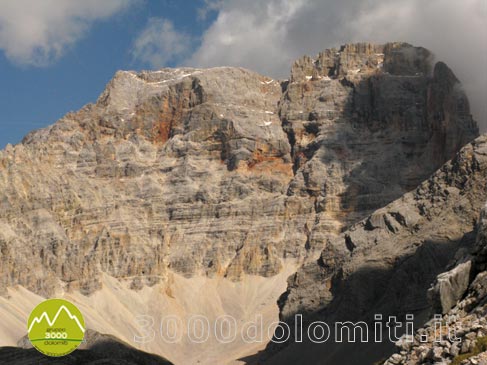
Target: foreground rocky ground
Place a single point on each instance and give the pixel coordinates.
(462, 295)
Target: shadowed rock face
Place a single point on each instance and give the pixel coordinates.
(98, 349)
(442, 210)
(465, 315)
(369, 123)
(386, 263)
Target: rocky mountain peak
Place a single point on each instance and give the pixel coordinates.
(364, 59)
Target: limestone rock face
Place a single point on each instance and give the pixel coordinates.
(450, 287)
(464, 337)
(176, 169)
(223, 171)
(440, 213)
(367, 124)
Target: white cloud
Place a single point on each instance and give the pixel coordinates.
(268, 36)
(251, 34)
(37, 32)
(159, 44)
(456, 31)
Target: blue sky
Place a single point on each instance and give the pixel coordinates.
(33, 96)
(57, 55)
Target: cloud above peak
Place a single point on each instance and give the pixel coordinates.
(160, 43)
(36, 33)
(265, 36)
(268, 36)
(251, 34)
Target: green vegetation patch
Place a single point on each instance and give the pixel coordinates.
(480, 346)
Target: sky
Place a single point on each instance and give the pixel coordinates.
(58, 55)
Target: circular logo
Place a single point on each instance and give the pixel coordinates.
(56, 327)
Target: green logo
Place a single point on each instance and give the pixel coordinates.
(56, 327)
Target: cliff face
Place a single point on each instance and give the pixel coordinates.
(223, 171)
(176, 169)
(435, 220)
(386, 263)
(369, 123)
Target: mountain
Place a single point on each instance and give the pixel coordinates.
(199, 191)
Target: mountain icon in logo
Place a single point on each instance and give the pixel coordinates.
(56, 327)
(45, 317)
